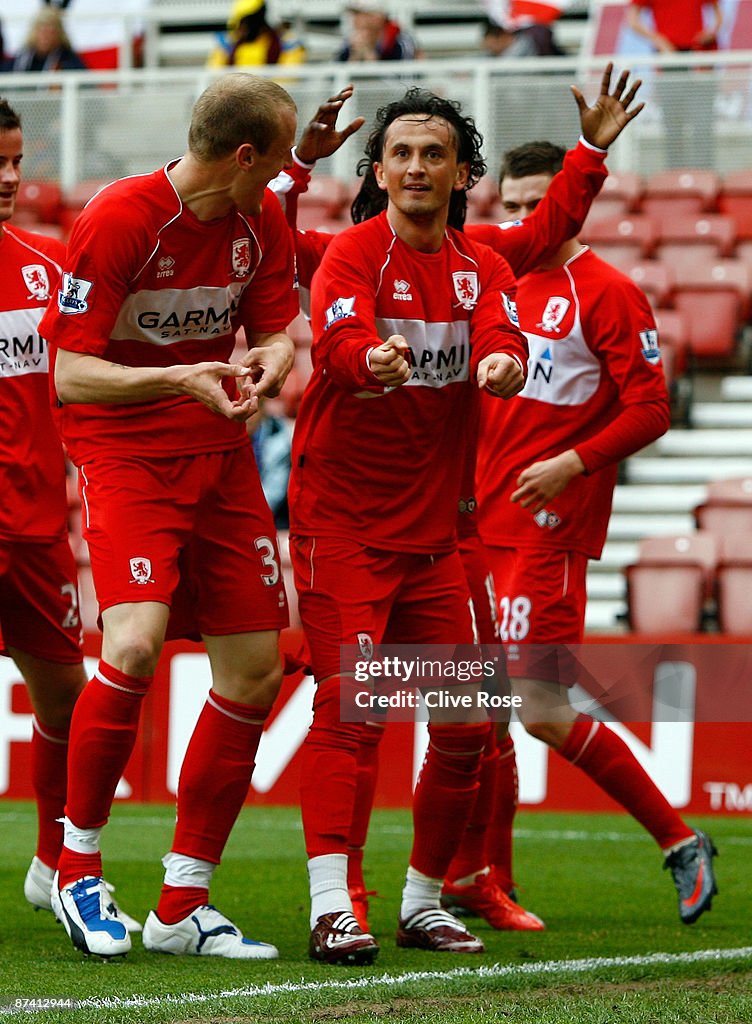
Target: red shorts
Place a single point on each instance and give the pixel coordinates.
(481, 583)
(542, 596)
(192, 532)
(39, 611)
(347, 590)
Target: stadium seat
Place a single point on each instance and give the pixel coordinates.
(655, 278)
(699, 548)
(482, 198)
(671, 582)
(714, 296)
(735, 490)
(602, 208)
(681, 189)
(38, 202)
(734, 584)
(327, 194)
(723, 519)
(663, 597)
(623, 185)
(712, 233)
(634, 235)
(673, 335)
(735, 201)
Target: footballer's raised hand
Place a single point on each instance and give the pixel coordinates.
(610, 114)
(501, 375)
(390, 362)
(321, 137)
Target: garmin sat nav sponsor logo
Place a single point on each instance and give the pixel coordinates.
(72, 295)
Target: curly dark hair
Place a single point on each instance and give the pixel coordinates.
(371, 200)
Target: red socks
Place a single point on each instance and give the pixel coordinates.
(215, 775)
(102, 734)
(606, 758)
(214, 781)
(365, 789)
(445, 794)
(329, 771)
(49, 775)
(499, 837)
(472, 856)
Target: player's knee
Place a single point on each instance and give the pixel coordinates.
(136, 654)
(551, 733)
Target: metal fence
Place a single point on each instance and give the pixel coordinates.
(101, 125)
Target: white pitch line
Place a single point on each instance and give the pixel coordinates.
(547, 967)
(550, 834)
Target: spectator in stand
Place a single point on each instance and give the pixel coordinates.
(374, 35)
(679, 26)
(251, 41)
(47, 47)
(500, 40)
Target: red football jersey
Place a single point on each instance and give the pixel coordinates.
(680, 21)
(595, 383)
(32, 468)
(384, 466)
(146, 283)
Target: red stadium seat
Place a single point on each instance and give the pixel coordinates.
(603, 207)
(655, 278)
(673, 330)
(735, 200)
(671, 582)
(40, 201)
(735, 490)
(636, 232)
(714, 295)
(688, 236)
(664, 597)
(723, 519)
(483, 198)
(327, 194)
(734, 584)
(624, 185)
(684, 184)
(700, 547)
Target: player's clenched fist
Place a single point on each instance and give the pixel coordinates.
(390, 362)
(501, 374)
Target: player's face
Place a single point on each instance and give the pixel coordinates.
(419, 169)
(266, 166)
(11, 151)
(520, 196)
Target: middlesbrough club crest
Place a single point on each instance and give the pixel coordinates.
(141, 570)
(466, 287)
(554, 313)
(36, 280)
(241, 257)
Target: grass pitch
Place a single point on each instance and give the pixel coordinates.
(614, 949)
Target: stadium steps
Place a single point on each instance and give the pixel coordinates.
(736, 389)
(663, 485)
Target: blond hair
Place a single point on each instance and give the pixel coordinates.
(236, 109)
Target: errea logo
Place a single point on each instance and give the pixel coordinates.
(165, 265)
(402, 291)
